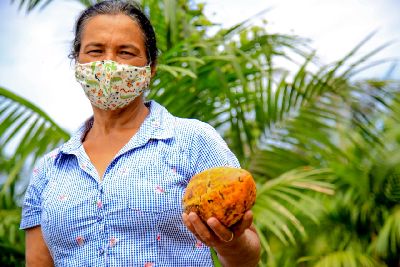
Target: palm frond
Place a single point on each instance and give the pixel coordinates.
(26, 131)
(345, 259)
(388, 240)
(30, 5)
(279, 199)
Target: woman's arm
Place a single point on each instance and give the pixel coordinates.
(37, 254)
(242, 250)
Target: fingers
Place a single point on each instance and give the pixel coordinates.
(187, 223)
(201, 229)
(244, 223)
(214, 232)
(198, 228)
(224, 233)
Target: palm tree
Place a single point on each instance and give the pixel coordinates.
(322, 158)
(358, 225)
(26, 133)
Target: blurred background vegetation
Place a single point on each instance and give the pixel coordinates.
(322, 145)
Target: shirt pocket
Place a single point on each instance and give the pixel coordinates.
(176, 159)
(142, 204)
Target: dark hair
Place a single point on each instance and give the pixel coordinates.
(114, 7)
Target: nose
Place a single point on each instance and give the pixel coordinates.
(110, 55)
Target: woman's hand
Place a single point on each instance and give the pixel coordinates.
(235, 246)
(213, 233)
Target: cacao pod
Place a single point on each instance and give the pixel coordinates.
(225, 193)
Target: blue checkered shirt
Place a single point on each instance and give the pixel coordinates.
(133, 216)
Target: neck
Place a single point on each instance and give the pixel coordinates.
(128, 118)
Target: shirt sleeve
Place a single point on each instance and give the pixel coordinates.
(32, 205)
(210, 150)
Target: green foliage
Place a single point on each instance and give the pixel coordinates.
(11, 239)
(346, 259)
(279, 197)
(12, 244)
(219, 78)
(26, 132)
(361, 217)
(24, 126)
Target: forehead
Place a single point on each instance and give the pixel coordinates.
(112, 29)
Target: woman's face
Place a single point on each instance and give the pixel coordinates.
(113, 37)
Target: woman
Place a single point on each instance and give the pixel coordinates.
(111, 195)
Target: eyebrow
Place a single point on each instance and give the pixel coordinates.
(136, 49)
(94, 44)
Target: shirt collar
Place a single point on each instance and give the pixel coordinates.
(159, 124)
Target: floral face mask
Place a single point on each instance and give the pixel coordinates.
(110, 85)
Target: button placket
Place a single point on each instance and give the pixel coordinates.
(99, 204)
(100, 212)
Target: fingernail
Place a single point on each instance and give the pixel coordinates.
(192, 217)
(211, 222)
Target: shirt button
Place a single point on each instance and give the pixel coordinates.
(99, 218)
(101, 251)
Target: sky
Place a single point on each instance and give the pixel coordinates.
(34, 47)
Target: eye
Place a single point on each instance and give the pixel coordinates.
(95, 51)
(126, 53)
